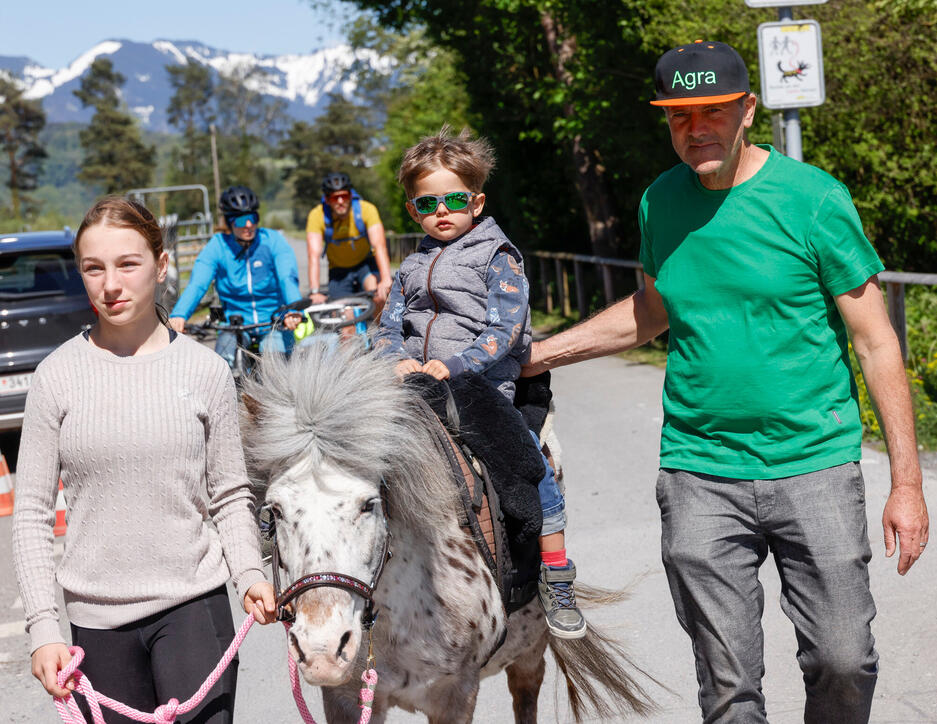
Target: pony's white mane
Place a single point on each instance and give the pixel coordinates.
(334, 403)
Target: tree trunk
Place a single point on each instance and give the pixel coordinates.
(14, 184)
(604, 222)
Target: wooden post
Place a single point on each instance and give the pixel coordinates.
(580, 291)
(214, 163)
(562, 288)
(544, 285)
(607, 284)
(567, 305)
(895, 293)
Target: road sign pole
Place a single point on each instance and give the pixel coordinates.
(792, 141)
(793, 145)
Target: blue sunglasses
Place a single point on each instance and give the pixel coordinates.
(239, 222)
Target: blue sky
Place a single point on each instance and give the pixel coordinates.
(55, 32)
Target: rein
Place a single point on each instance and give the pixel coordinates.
(167, 713)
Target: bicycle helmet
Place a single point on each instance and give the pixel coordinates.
(335, 182)
(238, 200)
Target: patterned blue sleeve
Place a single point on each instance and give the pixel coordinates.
(388, 341)
(508, 295)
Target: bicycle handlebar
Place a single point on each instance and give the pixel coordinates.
(320, 313)
(202, 329)
(329, 315)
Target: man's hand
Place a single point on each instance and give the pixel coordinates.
(47, 661)
(405, 367)
(177, 324)
(260, 602)
(437, 369)
(292, 320)
(318, 298)
(905, 515)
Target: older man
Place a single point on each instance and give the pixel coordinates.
(759, 266)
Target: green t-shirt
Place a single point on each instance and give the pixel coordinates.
(758, 382)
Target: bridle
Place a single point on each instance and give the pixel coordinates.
(324, 579)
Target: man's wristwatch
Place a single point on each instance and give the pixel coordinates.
(314, 291)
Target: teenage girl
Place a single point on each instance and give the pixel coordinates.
(140, 424)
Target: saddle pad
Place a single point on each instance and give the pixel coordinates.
(476, 517)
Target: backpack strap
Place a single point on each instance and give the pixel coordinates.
(356, 211)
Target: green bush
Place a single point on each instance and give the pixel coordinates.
(921, 315)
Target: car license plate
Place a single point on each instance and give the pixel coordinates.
(15, 384)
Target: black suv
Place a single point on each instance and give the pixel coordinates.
(42, 304)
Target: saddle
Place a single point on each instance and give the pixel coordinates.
(496, 467)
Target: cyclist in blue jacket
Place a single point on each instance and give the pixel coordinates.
(254, 270)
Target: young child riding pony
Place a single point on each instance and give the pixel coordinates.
(459, 304)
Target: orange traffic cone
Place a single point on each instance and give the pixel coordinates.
(60, 512)
(6, 488)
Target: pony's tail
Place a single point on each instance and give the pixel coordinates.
(596, 681)
(591, 596)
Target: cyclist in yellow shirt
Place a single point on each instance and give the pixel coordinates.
(349, 231)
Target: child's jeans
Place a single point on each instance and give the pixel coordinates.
(551, 498)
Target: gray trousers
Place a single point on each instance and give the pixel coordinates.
(716, 533)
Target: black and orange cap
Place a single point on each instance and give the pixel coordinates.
(700, 72)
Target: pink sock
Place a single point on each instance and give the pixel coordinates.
(554, 559)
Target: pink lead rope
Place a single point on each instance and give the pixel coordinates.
(167, 713)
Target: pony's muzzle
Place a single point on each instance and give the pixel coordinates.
(326, 669)
(325, 639)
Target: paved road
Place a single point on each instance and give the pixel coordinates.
(609, 418)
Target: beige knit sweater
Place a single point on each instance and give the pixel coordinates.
(148, 451)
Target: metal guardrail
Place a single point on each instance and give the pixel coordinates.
(895, 283)
(183, 240)
(605, 265)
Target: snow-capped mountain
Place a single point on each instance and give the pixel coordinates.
(303, 81)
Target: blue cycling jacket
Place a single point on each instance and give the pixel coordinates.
(252, 282)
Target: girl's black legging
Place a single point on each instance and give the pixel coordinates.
(167, 655)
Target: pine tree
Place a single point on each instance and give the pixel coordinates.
(116, 158)
(191, 110)
(21, 121)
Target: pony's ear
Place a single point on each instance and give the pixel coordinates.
(251, 405)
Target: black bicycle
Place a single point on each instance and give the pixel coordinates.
(247, 337)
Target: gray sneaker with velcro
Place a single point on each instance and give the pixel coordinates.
(558, 599)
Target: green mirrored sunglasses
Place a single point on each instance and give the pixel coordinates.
(454, 201)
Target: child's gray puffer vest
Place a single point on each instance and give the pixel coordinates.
(446, 297)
